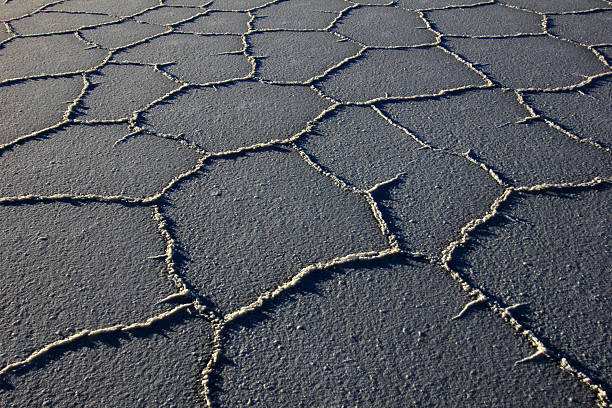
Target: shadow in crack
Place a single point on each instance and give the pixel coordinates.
(181, 258)
(112, 337)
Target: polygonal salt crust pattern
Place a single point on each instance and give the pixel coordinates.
(523, 153)
(430, 4)
(237, 5)
(188, 3)
(450, 191)
(539, 61)
(373, 2)
(298, 14)
(395, 27)
(185, 52)
(557, 6)
(50, 290)
(15, 9)
(380, 335)
(218, 22)
(383, 73)
(590, 28)
(35, 105)
(286, 56)
(101, 160)
(116, 35)
(112, 7)
(486, 20)
(47, 22)
(54, 54)
(606, 52)
(359, 147)
(142, 368)
(240, 236)
(564, 285)
(586, 113)
(237, 115)
(160, 198)
(117, 90)
(168, 15)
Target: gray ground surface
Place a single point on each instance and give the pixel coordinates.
(395, 309)
(305, 203)
(567, 297)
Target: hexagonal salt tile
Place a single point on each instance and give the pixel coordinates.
(241, 114)
(248, 224)
(287, 56)
(394, 27)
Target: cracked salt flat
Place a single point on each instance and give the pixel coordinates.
(47, 22)
(237, 5)
(427, 226)
(209, 196)
(398, 72)
(428, 4)
(306, 14)
(168, 15)
(121, 8)
(183, 52)
(285, 56)
(236, 115)
(228, 229)
(189, 3)
(56, 294)
(606, 52)
(117, 90)
(150, 367)
(564, 284)
(218, 22)
(116, 35)
(486, 20)
(40, 56)
(379, 335)
(558, 6)
(491, 124)
(81, 160)
(359, 146)
(46, 101)
(537, 61)
(15, 9)
(372, 2)
(587, 114)
(396, 27)
(589, 28)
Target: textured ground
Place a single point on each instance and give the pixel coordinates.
(305, 203)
